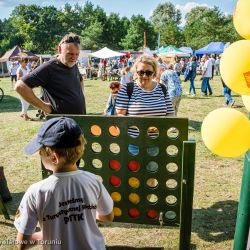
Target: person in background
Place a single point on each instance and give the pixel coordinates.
(60, 80)
(206, 75)
(13, 73)
(227, 93)
(212, 59)
(193, 67)
(22, 71)
(110, 107)
(126, 75)
(177, 67)
(182, 63)
(217, 65)
(171, 80)
(68, 202)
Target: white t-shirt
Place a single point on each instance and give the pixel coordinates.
(208, 66)
(65, 206)
(217, 61)
(126, 78)
(212, 60)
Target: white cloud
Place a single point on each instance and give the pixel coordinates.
(187, 7)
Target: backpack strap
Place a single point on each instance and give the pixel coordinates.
(164, 89)
(130, 88)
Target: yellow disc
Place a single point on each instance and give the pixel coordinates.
(241, 18)
(134, 198)
(116, 196)
(226, 132)
(246, 101)
(117, 211)
(235, 67)
(133, 182)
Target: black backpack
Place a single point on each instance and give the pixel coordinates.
(130, 88)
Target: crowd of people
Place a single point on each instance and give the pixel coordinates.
(147, 87)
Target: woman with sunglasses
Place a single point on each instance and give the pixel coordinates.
(147, 98)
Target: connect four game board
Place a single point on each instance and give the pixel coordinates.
(141, 162)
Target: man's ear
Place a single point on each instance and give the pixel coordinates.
(59, 49)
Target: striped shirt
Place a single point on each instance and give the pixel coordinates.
(144, 103)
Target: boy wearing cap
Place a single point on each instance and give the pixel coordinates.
(68, 202)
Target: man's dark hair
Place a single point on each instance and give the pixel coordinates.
(70, 38)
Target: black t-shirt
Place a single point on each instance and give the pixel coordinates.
(61, 87)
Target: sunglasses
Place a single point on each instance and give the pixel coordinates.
(147, 73)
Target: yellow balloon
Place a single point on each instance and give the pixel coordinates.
(246, 101)
(235, 67)
(226, 132)
(241, 18)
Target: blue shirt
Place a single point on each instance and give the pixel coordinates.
(172, 82)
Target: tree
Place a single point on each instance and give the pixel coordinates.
(115, 29)
(205, 25)
(38, 27)
(166, 19)
(165, 14)
(91, 37)
(135, 36)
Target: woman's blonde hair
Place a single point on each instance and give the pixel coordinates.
(147, 60)
(70, 155)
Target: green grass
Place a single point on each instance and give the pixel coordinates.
(217, 180)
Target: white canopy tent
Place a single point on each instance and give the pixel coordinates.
(106, 53)
(174, 53)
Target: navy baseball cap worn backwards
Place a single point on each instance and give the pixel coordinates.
(60, 132)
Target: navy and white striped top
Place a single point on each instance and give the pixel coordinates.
(145, 103)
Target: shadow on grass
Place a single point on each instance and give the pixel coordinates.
(14, 203)
(216, 223)
(195, 125)
(194, 97)
(11, 104)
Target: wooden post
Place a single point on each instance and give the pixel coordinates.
(145, 40)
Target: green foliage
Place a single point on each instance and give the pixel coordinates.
(205, 25)
(135, 36)
(91, 37)
(115, 29)
(166, 19)
(39, 29)
(165, 14)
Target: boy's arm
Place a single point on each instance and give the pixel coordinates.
(28, 241)
(108, 217)
(105, 204)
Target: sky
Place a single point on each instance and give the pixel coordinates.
(124, 7)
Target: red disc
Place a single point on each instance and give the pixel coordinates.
(115, 181)
(133, 212)
(133, 166)
(114, 165)
(152, 214)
